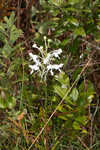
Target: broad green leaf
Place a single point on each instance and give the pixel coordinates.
(74, 94)
(58, 90)
(69, 101)
(63, 79)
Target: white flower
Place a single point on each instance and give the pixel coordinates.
(55, 66)
(39, 48)
(44, 62)
(56, 53)
(34, 68)
(35, 58)
(35, 46)
(50, 55)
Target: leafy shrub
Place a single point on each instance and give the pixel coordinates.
(9, 35)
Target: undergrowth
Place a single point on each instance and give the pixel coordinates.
(49, 77)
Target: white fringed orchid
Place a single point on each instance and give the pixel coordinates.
(45, 63)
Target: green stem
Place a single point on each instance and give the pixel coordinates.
(21, 101)
(46, 95)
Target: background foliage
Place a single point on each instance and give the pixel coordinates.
(26, 102)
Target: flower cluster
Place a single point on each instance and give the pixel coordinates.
(44, 63)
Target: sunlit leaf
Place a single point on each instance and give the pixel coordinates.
(76, 125)
(74, 94)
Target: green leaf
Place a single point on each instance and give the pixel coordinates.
(81, 119)
(3, 103)
(62, 117)
(14, 34)
(6, 50)
(59, 32)
(7, 101)
(57, 3)
(89, 91)
(54, 99)
(54, 12)
(61, 108)
(43, 3)
(84, 131)
(2, 29)
(63, 79)
(76, 125)
(11, 102)
(58, 90)
(43, 28)
(73, 2)
(74, 94)
(73, 21)
(10, 21)
(34, 97)
(79, 32)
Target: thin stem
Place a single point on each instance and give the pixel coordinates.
(46, 95)
(21, 102)
(46, 45)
